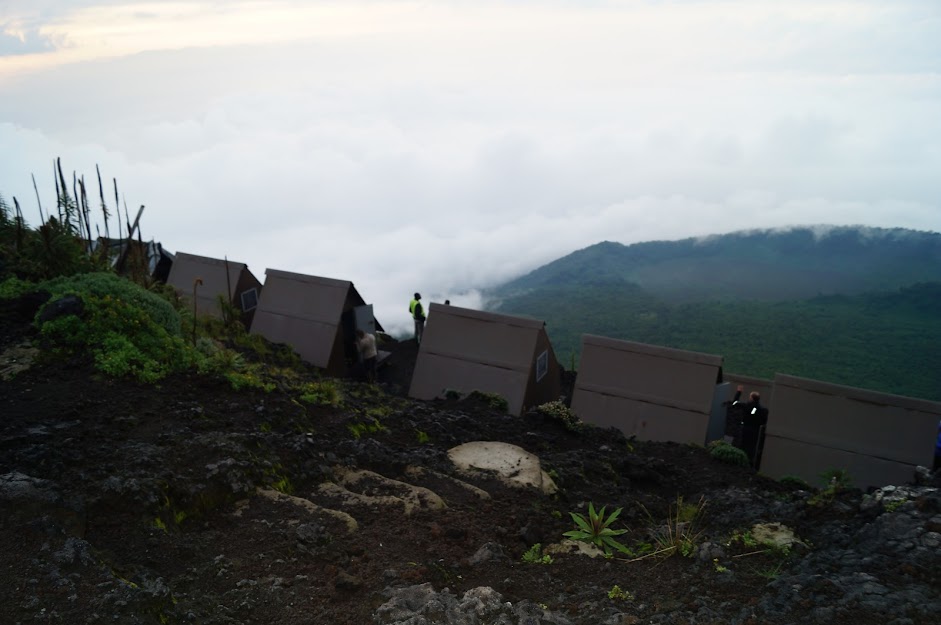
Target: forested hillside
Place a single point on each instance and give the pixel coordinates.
(769, 265)
(887, 340)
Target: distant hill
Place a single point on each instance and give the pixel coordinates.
(768, 264)
(859, 306)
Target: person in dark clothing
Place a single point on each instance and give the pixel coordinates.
(754, 419)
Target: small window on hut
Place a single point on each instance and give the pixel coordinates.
(249, 299)
(542, 365)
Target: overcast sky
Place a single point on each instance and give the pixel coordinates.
(448, 145)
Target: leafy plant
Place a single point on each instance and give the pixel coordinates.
(595, 529)
(321, 393)
(283, 485)
(560, 412)
(727, 453)
(252, 377)
(423, 437)
(13, 287)
(745, 538)
(718, 567)
(894, 505)
(617, 594)
(534, 555)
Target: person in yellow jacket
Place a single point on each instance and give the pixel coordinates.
(418, 315)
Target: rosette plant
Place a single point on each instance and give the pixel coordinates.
(595, 529)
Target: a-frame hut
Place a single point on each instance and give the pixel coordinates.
(877, 438)
(318, 317)
(227, 278)
(469, 350)
(651, 392)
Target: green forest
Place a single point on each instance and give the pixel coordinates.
(888, 341)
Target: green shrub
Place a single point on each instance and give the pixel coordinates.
(126, 330)
(107, 286)
(560, 412)
(13, 287)
(724, 452)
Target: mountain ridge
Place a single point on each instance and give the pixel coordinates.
(769, 264)
(846, 305)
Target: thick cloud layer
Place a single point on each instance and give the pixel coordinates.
(445, 147)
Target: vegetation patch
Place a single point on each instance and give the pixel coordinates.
(321, 393)
(558, 411)
(493, 400)
(127, 331)
(534, 555)
(595, 529)
(723, 451)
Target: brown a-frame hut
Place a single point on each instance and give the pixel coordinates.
(469, 350)
(877, 438)
(651, 392)
(316, 316)
(230, 279)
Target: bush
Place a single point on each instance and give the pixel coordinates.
(560, 412)
(109, 286)
(126, 330)
(724, 452)
(11, 288)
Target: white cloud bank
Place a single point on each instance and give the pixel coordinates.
(446, 146)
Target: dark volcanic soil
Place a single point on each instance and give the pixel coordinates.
(188, 502)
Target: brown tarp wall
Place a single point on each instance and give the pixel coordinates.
(311, 314)
(653, 393)
(187, 267)
(467, 350)
(876, 437)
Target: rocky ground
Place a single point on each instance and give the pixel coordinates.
(189, 502)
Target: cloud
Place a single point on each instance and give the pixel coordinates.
(448, 147)
(14, 43)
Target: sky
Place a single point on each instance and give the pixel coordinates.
(450, 145)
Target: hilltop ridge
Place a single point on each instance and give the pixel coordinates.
(773, 264)
(849, 305)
